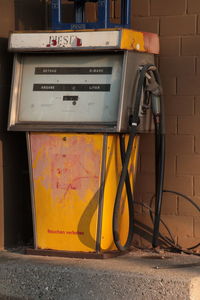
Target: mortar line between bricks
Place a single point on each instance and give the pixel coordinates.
(195, 141)
(149, 8)
(177, 125)
(176, 88)
(193, 225)
(193, 186)
(195, 65)
(159, 26)
(176, 165)
(186, 7)
(180, 46)
(195, 106)
(178, 206)
(196, 24)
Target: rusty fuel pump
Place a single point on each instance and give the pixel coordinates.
(83, 97)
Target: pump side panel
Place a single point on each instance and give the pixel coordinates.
(113, 171)
(66, 172)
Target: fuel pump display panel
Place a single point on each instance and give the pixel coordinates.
(82, 92)
(70, 88)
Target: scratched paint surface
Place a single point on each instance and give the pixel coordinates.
(64, 165)
(66, 174)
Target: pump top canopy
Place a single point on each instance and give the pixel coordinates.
(110, 39)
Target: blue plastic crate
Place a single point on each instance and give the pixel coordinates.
(103, 21)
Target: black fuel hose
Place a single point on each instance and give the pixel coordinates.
(118, 198)
(128, 186)
(171, 242)
(159, 176)
(159, 122)
(159, 182)
(134, 121)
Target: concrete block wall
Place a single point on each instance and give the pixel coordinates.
(178, 25)
(6, 24)
(30, 15)
(15, 206)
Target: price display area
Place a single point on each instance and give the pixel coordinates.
(66, 89)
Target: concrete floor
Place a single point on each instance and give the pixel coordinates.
(138, 275)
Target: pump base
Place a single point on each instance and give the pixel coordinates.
(74, 183)
(73, 254)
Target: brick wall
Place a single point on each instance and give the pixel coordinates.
(30, 15)
(178, 25)
(15, 210)
(6, 24)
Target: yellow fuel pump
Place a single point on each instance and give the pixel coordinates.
(76, 95)
(73, 93)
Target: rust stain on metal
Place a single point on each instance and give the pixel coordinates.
(57, 164)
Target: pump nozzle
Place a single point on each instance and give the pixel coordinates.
(155, 105)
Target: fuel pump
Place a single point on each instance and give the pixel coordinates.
(82, 115)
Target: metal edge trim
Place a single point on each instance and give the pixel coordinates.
(31, 187)
(101, 194)
(122, 90)
(14, 94)
(60, 49)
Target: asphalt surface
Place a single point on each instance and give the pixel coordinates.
(138, 275)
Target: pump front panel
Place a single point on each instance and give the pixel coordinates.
(74, 184)
(66, 172)
(70, 88)
(60, 92)
(84, 92)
